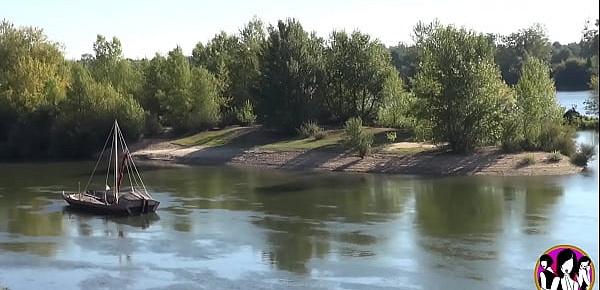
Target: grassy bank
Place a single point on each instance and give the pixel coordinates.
(256, 137)
(260, 148)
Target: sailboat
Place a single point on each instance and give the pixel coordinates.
(118, 200)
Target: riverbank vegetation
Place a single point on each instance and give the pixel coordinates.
(454, 86)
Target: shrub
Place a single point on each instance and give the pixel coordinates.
(512, 137)
(554, 157)
(391, 136)
(356, 138)
(557, 137)
(529, 159)
(365, 142)
(583, 155)
(320, 135)
(245, 114)
(311, 130)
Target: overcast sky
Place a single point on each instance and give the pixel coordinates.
(147, 27)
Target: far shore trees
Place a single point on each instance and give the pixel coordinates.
(447, 87)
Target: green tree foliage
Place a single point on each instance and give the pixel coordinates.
(591, 105)
(291, 84)
(108, 66)
(189, 96)
(155, 78)
(359, 77)
(33, 80)
(88, 113)
(404, 58)
(536, 102)
(572, 74)
(589, 43)
(357, 138)
(460, 93)
(235, 61)
(513, 50)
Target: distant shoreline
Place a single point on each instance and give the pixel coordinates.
(488, 161)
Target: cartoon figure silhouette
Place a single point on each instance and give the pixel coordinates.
(547, 275)
(566, 261)
(583, 276)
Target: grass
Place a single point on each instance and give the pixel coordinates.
(212, 138)
(529, 159)
(330, 140)
(256, 137)
(554, 157)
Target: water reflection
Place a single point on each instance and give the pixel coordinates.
(257, 228)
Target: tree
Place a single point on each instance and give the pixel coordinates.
(515, 48)
(291, 87)
(188, 96)
(591, 104)
(88, 113)
(33, 81)
(536, 102)
(589, 42)
(108, 66)
(234, 60)
(359, 75)
(404, 58)
(572, 74)
(459, 90)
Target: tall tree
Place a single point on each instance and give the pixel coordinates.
(292, 73)
(33, 80)
(459, 89)
(235, 61)
(359, 75)
(189, 96)
(107, 65)
(536, 101)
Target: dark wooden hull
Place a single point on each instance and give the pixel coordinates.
(125, 206)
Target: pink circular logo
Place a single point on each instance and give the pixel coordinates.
(564, 267)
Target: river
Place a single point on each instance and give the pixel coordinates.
(573, 99)
(227, 228)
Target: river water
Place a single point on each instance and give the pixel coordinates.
(574, 99)
(227, 228)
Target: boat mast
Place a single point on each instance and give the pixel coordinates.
(116, 164)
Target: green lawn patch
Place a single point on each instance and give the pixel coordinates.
(212, 138)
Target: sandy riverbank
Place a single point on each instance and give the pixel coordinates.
(487, 161)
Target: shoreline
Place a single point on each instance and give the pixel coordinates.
(487, 161)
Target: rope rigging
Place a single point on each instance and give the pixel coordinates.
(127, 164)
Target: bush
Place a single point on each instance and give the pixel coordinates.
(557, 137)
(554, 157)
(583, 155)
(311, 129)
(356, 138)
(529, 159)
(512, 137)
(391, 136)
(245, 114)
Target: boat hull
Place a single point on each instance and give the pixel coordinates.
(124, 206)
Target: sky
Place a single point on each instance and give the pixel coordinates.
(151, 26)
